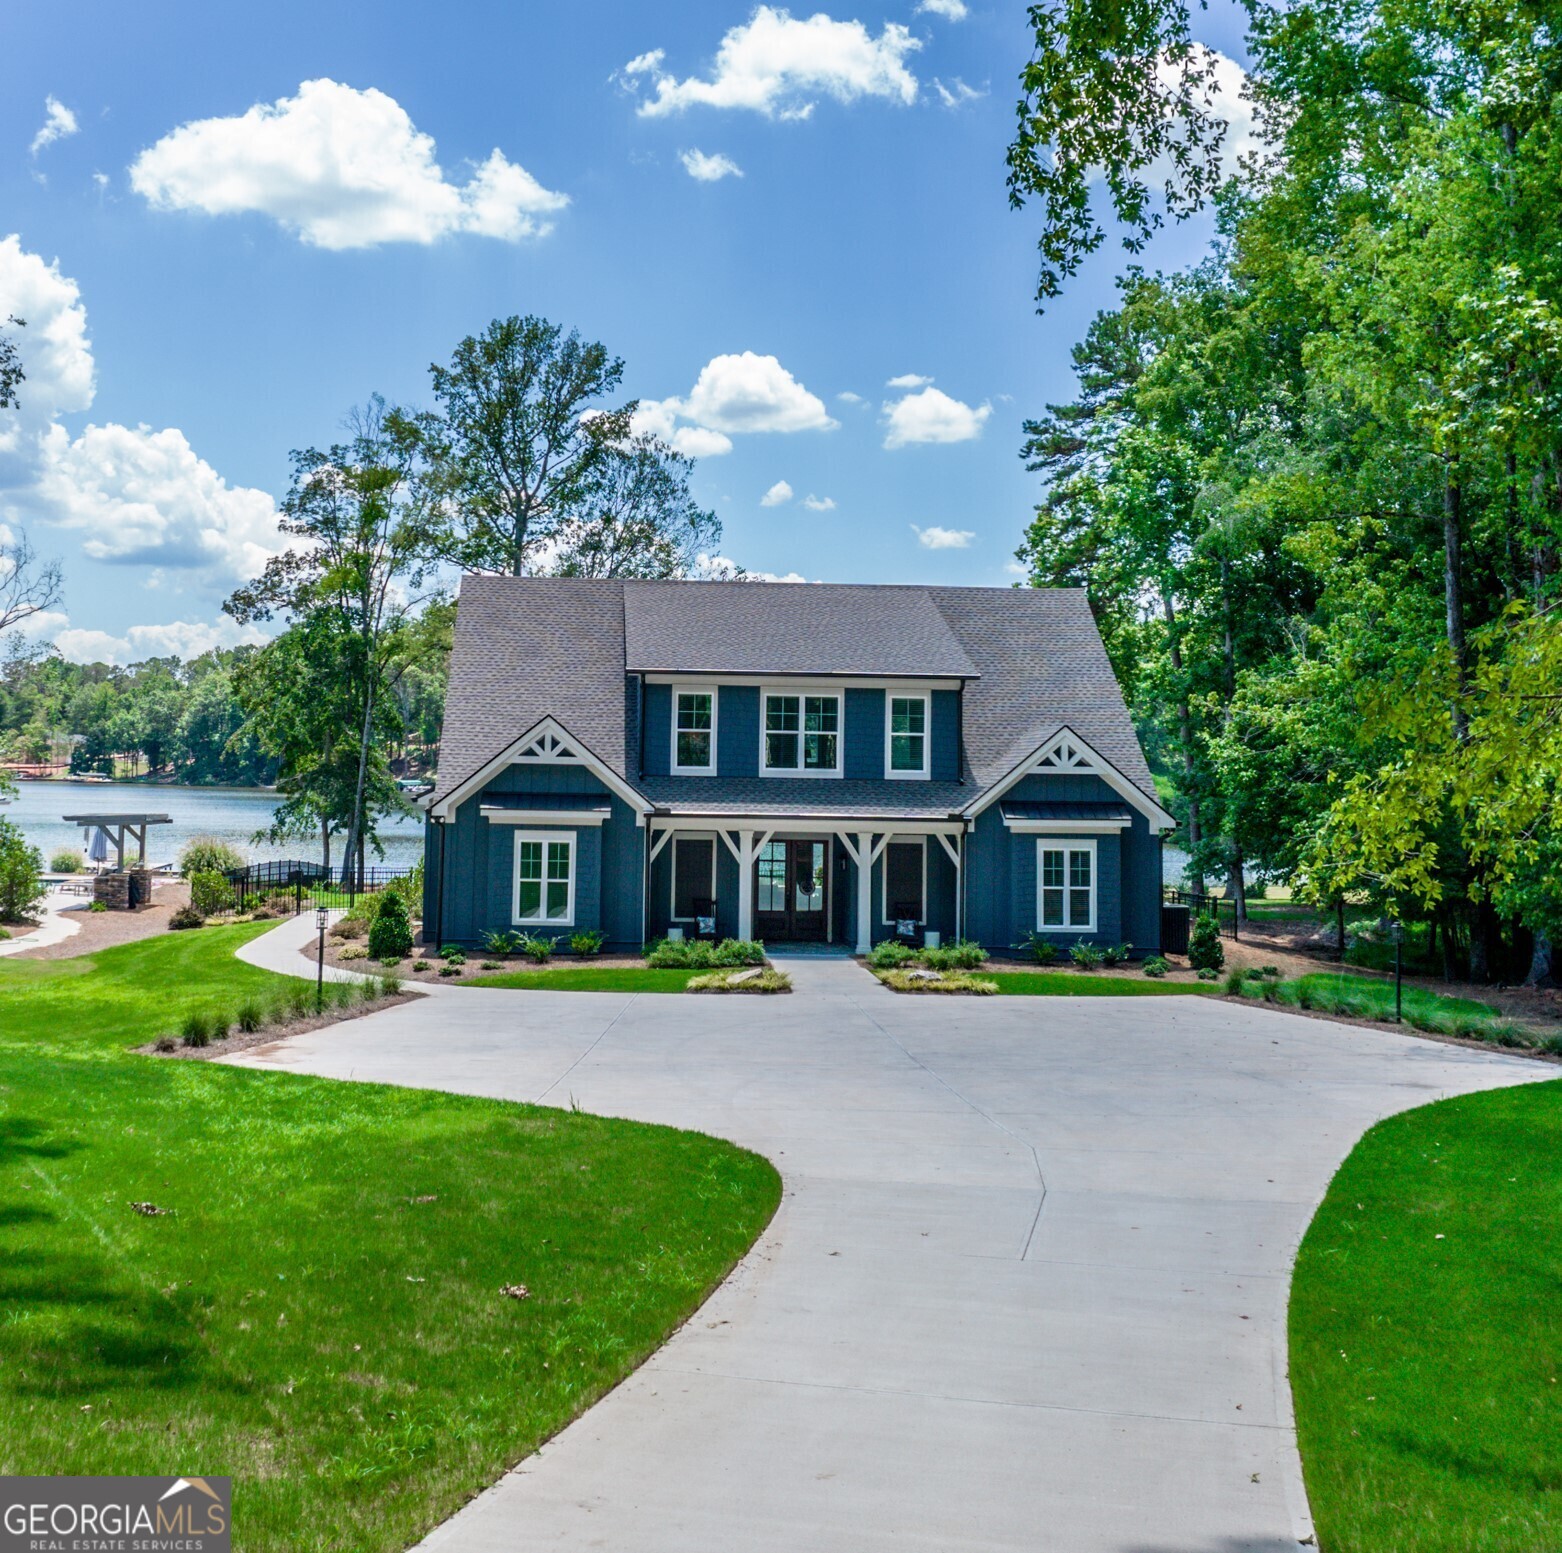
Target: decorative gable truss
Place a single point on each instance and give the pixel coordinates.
(548, 748)
(1066, 754)
(550, 743)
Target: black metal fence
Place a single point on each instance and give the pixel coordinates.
(287, 888)
(1202, 904)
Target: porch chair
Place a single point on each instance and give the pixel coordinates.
(907, 928)
(704, 917)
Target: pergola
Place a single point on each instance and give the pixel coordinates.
(117, 827)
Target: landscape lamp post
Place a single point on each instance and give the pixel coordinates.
(1399, 970)
(320, 916)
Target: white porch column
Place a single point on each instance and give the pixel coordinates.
(864, 891)
(746, 852)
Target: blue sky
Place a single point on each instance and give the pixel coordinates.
(208, 297)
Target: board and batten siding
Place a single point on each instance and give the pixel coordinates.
(479, 860)
(1001, 873)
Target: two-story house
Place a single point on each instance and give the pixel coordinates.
(799, 762)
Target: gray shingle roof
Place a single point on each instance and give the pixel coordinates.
(1043, 668)
(752, 628)
(527, 648)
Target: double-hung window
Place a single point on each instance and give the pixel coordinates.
(803, 733)
(545, 878)
(1066, 885)
(694, 731)
(907, 736)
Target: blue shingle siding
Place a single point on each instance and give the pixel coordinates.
(864, 714)
(737, 731)
(656, 755)
(945, 712)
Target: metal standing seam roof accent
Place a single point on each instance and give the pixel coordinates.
(1027, 809)
(527, 648)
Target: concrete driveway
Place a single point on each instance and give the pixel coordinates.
(1026, 1289)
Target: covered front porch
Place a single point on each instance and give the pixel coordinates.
(804, 879)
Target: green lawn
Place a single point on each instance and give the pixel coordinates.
(1426, 1333)
(1079, 984)
(318, 1313)
(587, 978)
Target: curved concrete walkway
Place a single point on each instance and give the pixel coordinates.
(57, 921)
(1026, 1289)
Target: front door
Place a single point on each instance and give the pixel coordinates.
(789, 893)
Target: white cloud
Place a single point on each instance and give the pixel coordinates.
(100, 179)
(138, 495)
(909, 380)
(778, 494)
(733, 395)
(935, 538)
(777, 65)
(721, 568)
(956, 93)
(179, 638)
(58, 122)
(130, 494)
(709, 169)
(659, 418)
(930, 415)
(846, 396)
(950, 10)
(819, 503)
(343, 169)
(749, 392)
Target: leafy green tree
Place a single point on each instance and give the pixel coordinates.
(521, 437)
(20, 866)
(363, 510)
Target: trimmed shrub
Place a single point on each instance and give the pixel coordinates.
(208, 855)
(453, 954)
(695, 954)
(185, 917)
(891, 954)
(1155, 965)
(65, 861)
(964, 954)
(390, 933)
(588, 942)
(210, 893)
(20, 865)
(1086, 956)
(1209, 973)
(353, 952)
(1205, 950)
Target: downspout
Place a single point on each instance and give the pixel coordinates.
(439, 891)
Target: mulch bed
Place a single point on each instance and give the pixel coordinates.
(243, 1041)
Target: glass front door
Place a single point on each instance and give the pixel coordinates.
(790, 890)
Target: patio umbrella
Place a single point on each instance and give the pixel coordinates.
(97, 847)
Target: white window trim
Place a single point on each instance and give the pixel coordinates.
(672, 755)
(890, 698)
(544, 836)
(885, 919)
(802, 693)
(672, 884)
(1067, 844)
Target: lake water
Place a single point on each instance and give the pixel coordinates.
(233, 814)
